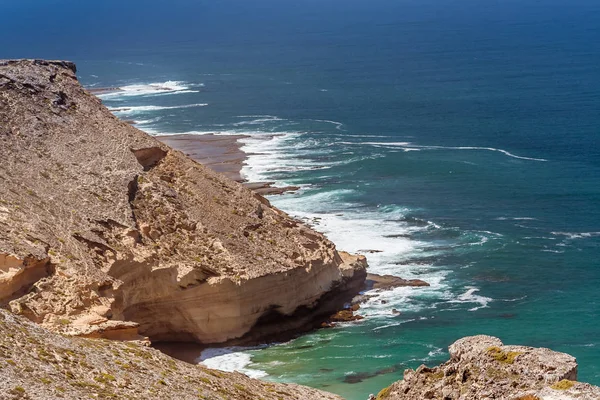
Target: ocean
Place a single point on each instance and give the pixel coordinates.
(460, 140)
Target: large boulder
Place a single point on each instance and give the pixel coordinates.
(481, 367)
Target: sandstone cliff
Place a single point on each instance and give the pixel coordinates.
(38, 364)
(105, 231)
(481, 367)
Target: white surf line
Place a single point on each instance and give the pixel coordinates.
(133, 109)
(407, 146)
(231, 359)
(259, 120)
(150, 89)
(338, 125)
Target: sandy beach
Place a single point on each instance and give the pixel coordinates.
(223, 154)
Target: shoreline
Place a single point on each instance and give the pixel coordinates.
(191, 352)
(222, 154)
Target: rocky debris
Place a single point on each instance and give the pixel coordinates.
(38, 364)
(387, 282)
(481, 367)
(357, 377)
(373, 282)
(362, 298)
(346, 315)
(379, 283)
(97, 215)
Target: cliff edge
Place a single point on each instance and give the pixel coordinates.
(106, 232)
(481, 367)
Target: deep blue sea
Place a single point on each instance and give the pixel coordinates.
(461, 138)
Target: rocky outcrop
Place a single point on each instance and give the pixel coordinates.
(17, 274)
(106, 232)
(388, 282)
(38, 364)
(481, 367)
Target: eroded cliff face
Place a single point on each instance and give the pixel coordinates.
(38, 364)
(481, 367)
(103, 228)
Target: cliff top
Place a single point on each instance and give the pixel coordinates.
(38, 364)
(81, 172)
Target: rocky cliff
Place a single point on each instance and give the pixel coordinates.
(106, 232)
(481, 367)
(38, 364)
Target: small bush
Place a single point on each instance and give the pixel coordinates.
(384, 393)
(503, 356)
(565, 384)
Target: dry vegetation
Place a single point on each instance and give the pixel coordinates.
(38, 364)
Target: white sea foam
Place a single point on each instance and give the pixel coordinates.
(471, 296)
(230, 359)
(436, 352)
(257, 116)
(258, 120)
(490, 233)
(515, 219)
(576, 235)
(270, 154)
(380, 327)
(150, 89)
(140, 109)
(338, 125)
(516, 299)
(361, 136)
(147, 121)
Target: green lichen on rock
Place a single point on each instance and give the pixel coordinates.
(437, 375)
(565, 384)
(384, 393)
(498, 354)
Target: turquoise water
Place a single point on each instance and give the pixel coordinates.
(461, 138)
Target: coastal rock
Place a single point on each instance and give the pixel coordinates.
(345, 316)
(387, 282)
(42, 365)
(267, 188)
(481, 367)
(105, 230)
